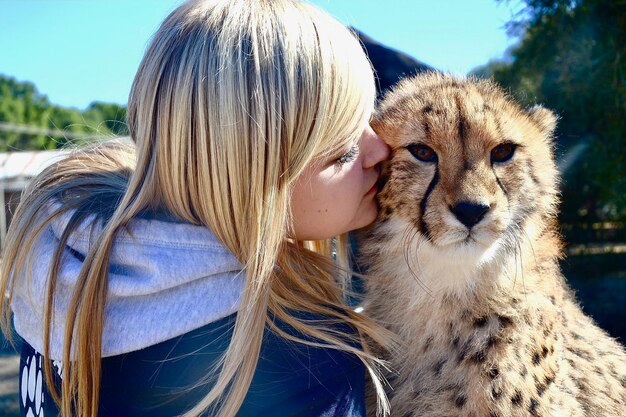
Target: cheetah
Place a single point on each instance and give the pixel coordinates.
(463, 262)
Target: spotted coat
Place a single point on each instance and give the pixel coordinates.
(463, 263)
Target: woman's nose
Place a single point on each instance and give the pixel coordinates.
(377, 149)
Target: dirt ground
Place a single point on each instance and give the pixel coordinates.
(9, 380)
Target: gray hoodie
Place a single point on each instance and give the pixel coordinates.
(166, 278)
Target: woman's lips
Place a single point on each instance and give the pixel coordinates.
(373, 189)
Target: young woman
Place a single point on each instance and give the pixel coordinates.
(199, 269)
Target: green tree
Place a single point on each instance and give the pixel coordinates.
(112, 116)
(28, 121)
(20, 104)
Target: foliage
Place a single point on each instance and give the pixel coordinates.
(571, 57)
(28, 121)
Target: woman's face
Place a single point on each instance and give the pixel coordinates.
(337, 196)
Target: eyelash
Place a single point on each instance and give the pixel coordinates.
(348, 156)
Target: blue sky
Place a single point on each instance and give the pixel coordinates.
(78, 51)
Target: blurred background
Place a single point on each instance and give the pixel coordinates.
(66, 68)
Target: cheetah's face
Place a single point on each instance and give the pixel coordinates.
(468, 167)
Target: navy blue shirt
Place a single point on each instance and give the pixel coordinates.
(291, 379)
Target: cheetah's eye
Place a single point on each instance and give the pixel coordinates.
(503, 152)
(423, 153)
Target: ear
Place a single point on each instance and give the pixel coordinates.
(545, 118)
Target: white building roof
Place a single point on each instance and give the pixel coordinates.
(17, 168)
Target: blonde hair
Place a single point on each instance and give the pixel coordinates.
(232, 100)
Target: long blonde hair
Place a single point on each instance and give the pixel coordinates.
(232, 100)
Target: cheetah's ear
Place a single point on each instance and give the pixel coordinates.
(544, 118)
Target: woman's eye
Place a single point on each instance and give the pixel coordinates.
(423, 153)
(348, 156)
(503, 152)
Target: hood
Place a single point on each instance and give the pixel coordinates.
(165, 278)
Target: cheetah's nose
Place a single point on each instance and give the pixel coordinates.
(469, 213)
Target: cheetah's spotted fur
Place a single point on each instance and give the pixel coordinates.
(488, 325)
